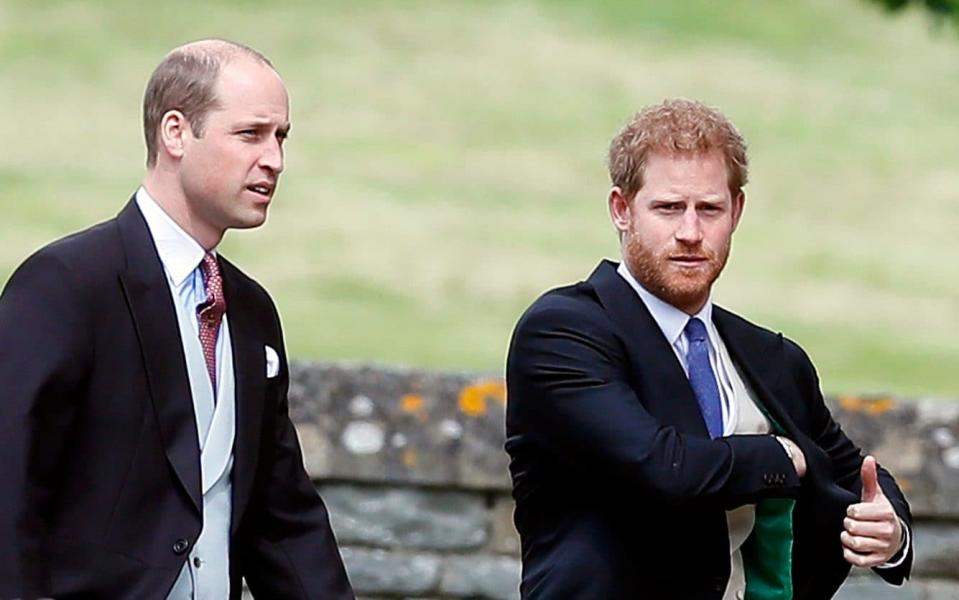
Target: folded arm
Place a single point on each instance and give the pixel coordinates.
(570, 396)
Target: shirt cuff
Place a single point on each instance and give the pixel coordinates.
(900, 555)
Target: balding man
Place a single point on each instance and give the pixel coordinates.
(145, 445)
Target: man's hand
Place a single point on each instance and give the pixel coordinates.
(873, 532)
(794, 454)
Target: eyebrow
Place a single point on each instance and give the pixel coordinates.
(670, 197)
(261, 123)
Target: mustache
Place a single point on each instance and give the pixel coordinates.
(686, 254)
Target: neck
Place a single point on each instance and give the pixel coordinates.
(692, 308)
(170, 197)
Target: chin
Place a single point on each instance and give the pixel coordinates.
(250, 221)
(685, 293)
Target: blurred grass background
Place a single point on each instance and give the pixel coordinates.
(446, 163)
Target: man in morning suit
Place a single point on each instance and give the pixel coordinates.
(145, 445)
(663, 447)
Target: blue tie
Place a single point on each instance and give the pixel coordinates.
(702, 378)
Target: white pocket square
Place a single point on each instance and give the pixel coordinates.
(272, 362)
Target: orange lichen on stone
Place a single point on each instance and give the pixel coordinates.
(872, 406)
(472, 402)
(852, 403)
(412, 403)
(473, 397)
(880, 405)
(409, 458)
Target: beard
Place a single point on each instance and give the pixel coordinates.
(685, 288)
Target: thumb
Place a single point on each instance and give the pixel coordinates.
(870, 480)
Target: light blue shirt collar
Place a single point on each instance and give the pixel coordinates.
(179, 253)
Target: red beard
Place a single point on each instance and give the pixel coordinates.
(685, 288)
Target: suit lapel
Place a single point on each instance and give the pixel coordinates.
(663, 386)
(761, 359)
(249, 368)
(154, 318)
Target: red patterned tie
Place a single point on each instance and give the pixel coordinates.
(210, 313)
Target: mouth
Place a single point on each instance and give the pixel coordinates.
(263, 189)
(688, 261)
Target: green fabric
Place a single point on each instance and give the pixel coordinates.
(767, 553)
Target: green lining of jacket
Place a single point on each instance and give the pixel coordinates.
(767, 553)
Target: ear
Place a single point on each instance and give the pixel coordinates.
(619, 209)
(739, 203)
(174, 128)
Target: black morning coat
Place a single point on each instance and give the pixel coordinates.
(99, 456)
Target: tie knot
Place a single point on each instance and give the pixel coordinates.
(215, 304)
(211, 269)
(695, 330)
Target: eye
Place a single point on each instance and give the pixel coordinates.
(712, 209)
(668, 207)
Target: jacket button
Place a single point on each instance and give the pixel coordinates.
(180, 546)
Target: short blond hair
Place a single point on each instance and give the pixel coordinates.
(677, 127)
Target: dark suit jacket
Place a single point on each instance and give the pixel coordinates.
(99, 457)
(620, 493)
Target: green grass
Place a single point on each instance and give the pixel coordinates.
(447, 161)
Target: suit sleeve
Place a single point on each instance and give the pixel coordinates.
(292, 552)
(846, 457)
(44, 354)
(570, 397)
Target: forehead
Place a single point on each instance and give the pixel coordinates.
(704, 172)
(246, 88)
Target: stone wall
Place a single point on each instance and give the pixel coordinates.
(412, 467)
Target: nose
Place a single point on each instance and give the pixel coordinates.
(272, 156)
(690, 230)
